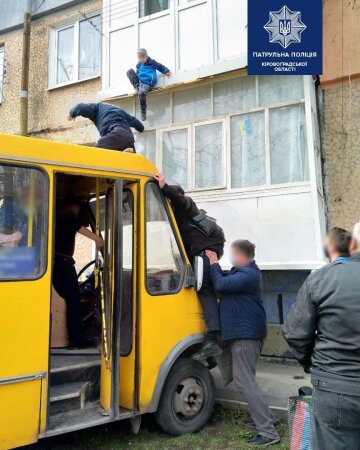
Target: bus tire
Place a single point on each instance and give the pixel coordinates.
(187, 399)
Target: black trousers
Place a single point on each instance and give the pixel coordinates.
(142, 88)
(208, 300)
(118, 139)
(66, 285)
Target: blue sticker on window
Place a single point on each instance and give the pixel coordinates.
(284, 37)
(17, 262)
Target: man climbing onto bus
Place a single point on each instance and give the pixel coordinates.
(113, 123)
(199, 233)
(145, 77)
(68, 224)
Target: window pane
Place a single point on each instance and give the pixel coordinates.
(65, 55)
(234, 95)
(148, 7)
(248, 150)
(2, 60)
(280, 88)
(23, 206)
(192, 104)
(126, 315)
(158, 110)
(208, 155)
(164, 264)
(175, 156)
(288, 147)
(145, 144)
(89, 50)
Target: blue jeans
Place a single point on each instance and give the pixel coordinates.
(335, 421)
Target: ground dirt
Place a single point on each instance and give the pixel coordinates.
(225, 431)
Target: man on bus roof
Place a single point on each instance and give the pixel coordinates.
(113, 123)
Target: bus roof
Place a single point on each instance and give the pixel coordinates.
(31, 150)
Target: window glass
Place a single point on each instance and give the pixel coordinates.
(191, 104)
(237, 94)
(208, 155)
(146, 144)
(126, 315)
(164, 264)
(248, 150)
(89, 50)
(65, 55)
(23, 230)
(158, 110)
(275, 89)
(2, 62)
(175, 156)
(148, 7)
(288, 147)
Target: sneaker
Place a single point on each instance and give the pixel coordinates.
(262, 441)
(143, 115)
(209, 348)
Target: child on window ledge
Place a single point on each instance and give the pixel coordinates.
(145, 77)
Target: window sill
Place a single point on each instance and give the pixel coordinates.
(166, 12)
(71, 83)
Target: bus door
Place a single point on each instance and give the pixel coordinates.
(117, 393)
(24, 301)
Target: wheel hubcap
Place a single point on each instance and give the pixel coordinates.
(189, 397)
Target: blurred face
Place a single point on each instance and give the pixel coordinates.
(142, 59)
(238, 258)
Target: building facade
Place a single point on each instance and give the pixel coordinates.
(246, 148)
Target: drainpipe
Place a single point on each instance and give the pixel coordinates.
(24, 89)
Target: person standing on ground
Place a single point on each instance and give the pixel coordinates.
(145, 77)
(323, 331)
(112, 122)
(196, 241)
(243, 322)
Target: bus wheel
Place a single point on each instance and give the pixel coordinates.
(188, 398)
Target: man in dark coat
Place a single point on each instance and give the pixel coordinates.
(196, 242)
(323, 331)
(243, 323)
(112, 122)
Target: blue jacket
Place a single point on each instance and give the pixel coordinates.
(147, 72)
(106, 117)
(242, 314)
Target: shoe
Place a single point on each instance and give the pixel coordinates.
(143, 115)
(209, 348)
(262, 441)
(251, 424)
(129, 150)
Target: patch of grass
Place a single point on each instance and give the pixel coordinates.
(225, 431)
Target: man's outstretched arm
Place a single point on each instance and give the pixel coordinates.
(87, 110)
(134, 123)
(160, 67)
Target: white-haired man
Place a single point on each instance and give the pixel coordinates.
(323, 330)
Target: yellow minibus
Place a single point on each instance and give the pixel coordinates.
(138, 299)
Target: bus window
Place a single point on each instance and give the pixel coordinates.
(23, 206)
(165, 266)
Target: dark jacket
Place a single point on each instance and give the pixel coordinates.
(106, 117)
(147, 72)
(242, 314)
(185, 209)
(323, 326)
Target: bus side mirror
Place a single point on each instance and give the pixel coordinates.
(199, 272)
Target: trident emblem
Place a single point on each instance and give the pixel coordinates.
(285, 27)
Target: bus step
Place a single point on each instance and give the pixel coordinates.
(67, 397)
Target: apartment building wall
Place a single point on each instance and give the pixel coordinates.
(340, 109)
(48, 107)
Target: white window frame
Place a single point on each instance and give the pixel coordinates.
(2, 71)
(154, 15)
(53, 52)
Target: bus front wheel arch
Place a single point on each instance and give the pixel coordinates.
(187, 399)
